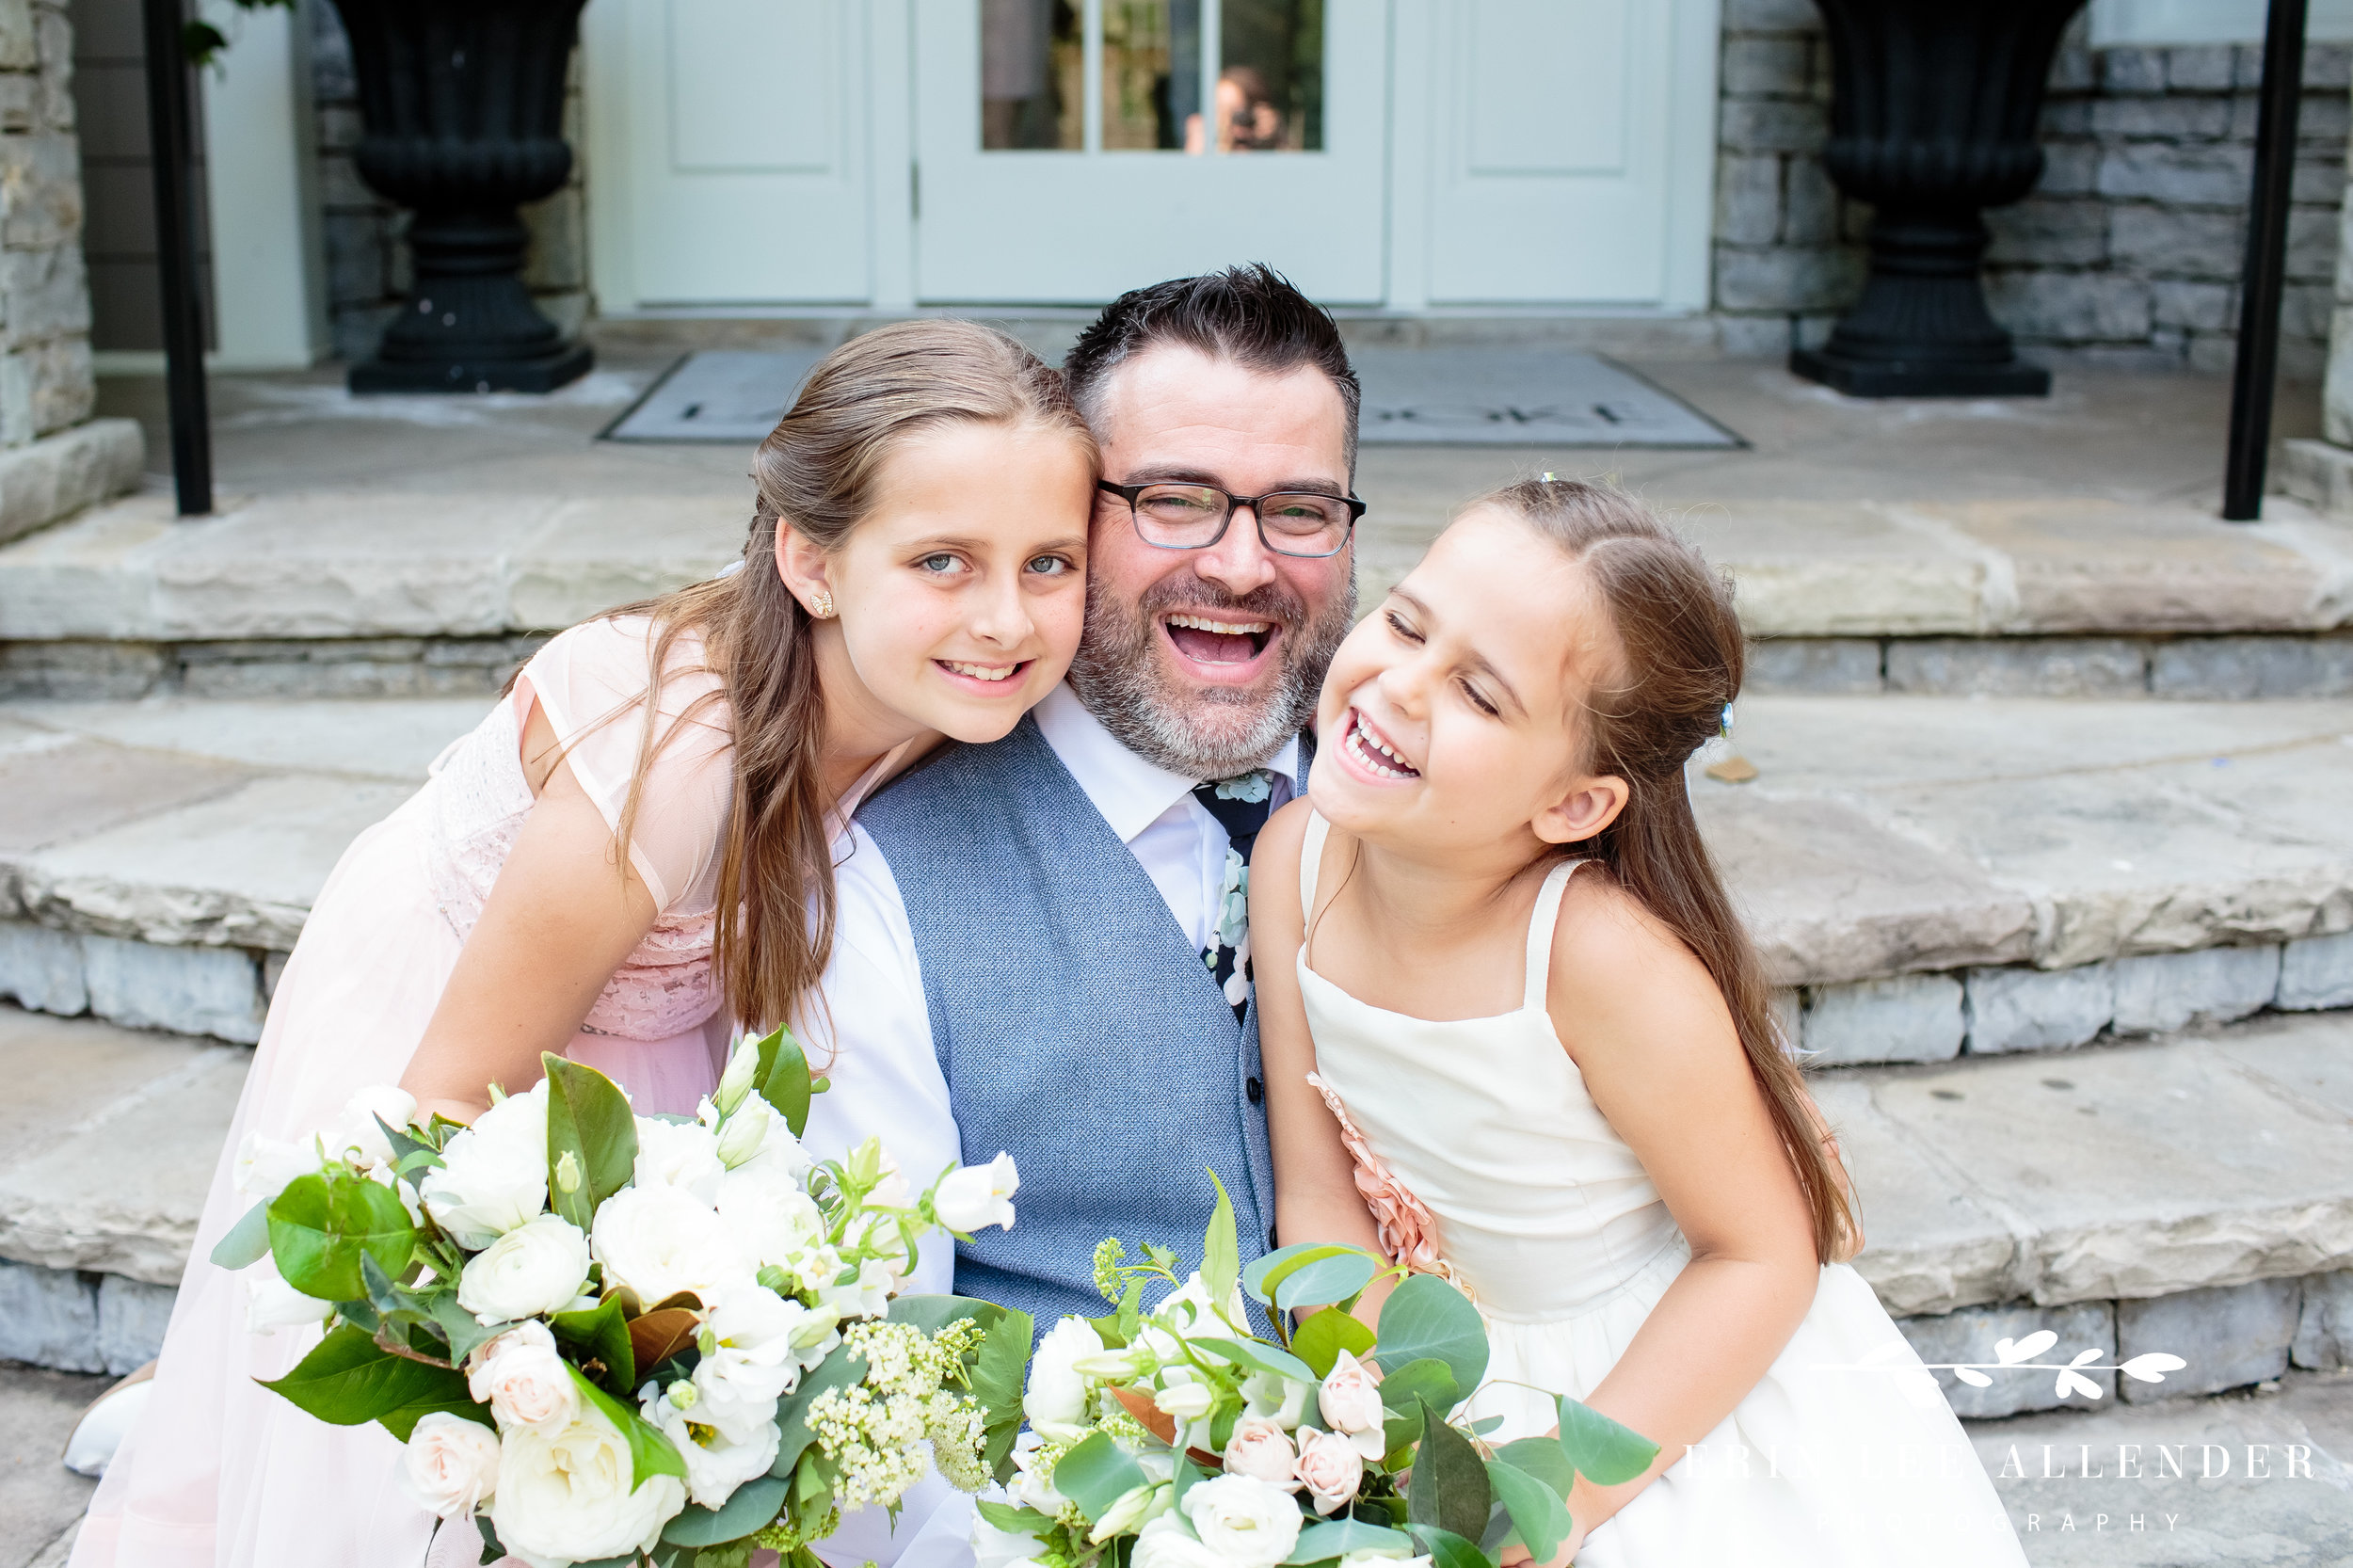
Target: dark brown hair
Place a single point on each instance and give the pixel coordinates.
(816, 472)
(1680, 657)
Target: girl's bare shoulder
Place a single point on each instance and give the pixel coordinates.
(1619, 972)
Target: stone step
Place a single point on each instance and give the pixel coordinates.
(1925, 876)
(332, 594)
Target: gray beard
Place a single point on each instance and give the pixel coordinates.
(1212, 733)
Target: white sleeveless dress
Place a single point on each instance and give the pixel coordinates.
(1546, 1218)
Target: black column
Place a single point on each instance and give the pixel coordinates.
(2258, 361)
(168, 146)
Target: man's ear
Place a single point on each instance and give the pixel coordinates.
(1584, 811)
(803, 566)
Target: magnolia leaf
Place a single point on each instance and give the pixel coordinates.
(1538, 1513)
(658, 1336)
(1259, 1356)
(650, 1454)
(1138, 1404)
(348, 1380)
(1448, 1549)
(1426, 1317)
(2152, 1366)
(454, 1400)
(1325, 1281)
(1320, 1340)
(1221, 1253)
(247, 1242)
(1543, 1458)
(1339, 1537)
(1603, 1451)
(783, 1077)
(589, 1118)
(1096, 1474)
(491, 1550)
(1269, 1270)
(1449, 1486)
(321, 1225)
(840, 1369)
(755, 1504)
(600, 1334)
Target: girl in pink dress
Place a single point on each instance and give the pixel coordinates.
(632, 852)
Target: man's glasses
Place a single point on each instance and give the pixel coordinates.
(1171, 515)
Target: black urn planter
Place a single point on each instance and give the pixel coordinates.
(1934, 107)
(461, 107)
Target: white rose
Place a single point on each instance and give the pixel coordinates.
(563, 1497)
(523, 1379)
(1277, 1398)
(1262, 1450)
(978, 1196)
(451, 1465)
(772, 1219)
(716, 1465)
(354, 1136)
(271, 1304)
(536, 1268)
(1332, 1468)
(754, 1360)
(1168, 1542)
(678, 1154)
(1056, 1398)
(1246, 1522)
(1351, 1402)
(264, 1165)
(658, 1242)
(493, 1176)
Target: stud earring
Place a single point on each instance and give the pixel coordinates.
(820, 605)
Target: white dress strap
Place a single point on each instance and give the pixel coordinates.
(1311, 862)
(1540, 925)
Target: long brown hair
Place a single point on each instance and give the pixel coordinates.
(1681, 659)
(816, 472)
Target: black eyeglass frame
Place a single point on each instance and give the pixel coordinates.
(1234, 503)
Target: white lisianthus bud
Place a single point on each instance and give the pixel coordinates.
(523, 1379)
(354, 1135)
(451, 1465)
(1330, 1468)
(564, 1495)
(1168, 1542)
(1055, 1399)
(567, 1173)
(1108, 1365)
(264, 1165)
(1262, 1449)
(1185, 1401)
(746, 1131)
(1351, 1402)
(978, 1196)
(534, 1269)
(736, 1082)
(1244, 1521)
(271, 1304)
(1135, 1506)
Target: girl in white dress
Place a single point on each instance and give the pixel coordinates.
(1515, 1033)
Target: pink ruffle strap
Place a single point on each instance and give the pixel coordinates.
(1407, 1230)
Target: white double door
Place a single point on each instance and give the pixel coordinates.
(1408, 153)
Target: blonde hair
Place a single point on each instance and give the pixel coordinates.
(1681, 657)
(816, 472)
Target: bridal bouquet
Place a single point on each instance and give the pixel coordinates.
(608, 1337)
(1175, 1437)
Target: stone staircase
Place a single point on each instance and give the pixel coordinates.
(2021, 851)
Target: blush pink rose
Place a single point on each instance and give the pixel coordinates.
(1262, 1449)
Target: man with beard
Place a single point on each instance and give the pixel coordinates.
(1041, 945)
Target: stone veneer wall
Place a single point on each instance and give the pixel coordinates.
(367, 264)
(2130, 246)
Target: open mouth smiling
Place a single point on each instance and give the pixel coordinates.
(990, 675)
(1370, 750)
(1218, 640)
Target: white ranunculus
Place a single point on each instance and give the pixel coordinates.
(716, 1465)
(1277, 1398)
(978, 1196)
(658, 1242)
(1056, 1398)
(535, 1267)
(1262, 1450)
(563, 1497)
(354, 1136)
(1351, 1402)
(264, 1165)
(493, 1176)
(523, 1379)
(1246, 1522)
(753, 1361)
(451, 1465)
(773, 1220)
(1168, 1542)
(683, 1154)
(271, 1304)
(866, 1296)
(1332, 1468)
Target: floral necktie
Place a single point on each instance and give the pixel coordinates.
(1240, 806)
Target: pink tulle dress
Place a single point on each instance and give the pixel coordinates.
(218, 1471)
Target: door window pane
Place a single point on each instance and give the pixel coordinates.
(1270, 84)
(1151, 72)
(1033, 63)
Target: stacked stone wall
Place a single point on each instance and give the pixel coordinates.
(45, 380)
(367, 258)
(2129, 248)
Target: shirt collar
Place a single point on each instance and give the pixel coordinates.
(1129, 792)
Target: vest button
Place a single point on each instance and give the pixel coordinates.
(1256, 1090)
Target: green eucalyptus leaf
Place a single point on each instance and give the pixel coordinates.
(1603, 1451)
(1325, 1280)
(1427, 1318)
(247, 1242)
(491, 1550)
(1426, 1380)
(1321, 1337)
(1268, 1270)
(348, 1380)
(458, 1325)
(1259, 1356)
(1014, 1520)
(930, 1314)
(321, 1225)
(754, 1505)
(1339, 1537)
(1537, 1511)
(1096, 1474)
(1450, 1487)
(1543, 1458)
(589, 1119)
(650, 1454)
(1189, 1476)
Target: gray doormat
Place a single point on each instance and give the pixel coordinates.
(1412, 397)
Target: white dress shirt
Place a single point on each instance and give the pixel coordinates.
(875, 1044)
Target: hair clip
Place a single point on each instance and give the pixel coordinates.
(1547, 478)
(1726, 722)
